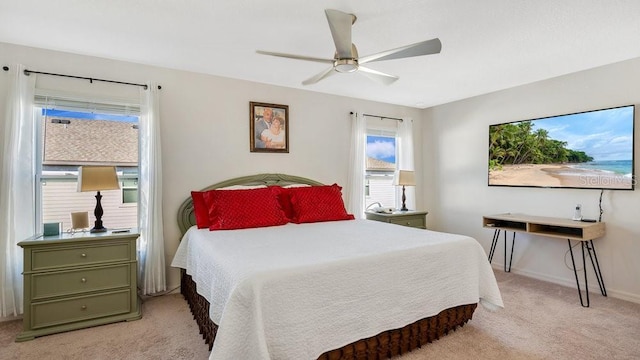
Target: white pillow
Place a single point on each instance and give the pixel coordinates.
(241, 187)
(295, 186)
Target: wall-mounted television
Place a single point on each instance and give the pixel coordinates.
(586, 150)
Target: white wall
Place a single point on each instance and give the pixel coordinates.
(455, 171)
(205, 124)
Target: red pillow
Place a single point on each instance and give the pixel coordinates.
(318, 203)
(200, 209)
(284, 199)
(241, 209)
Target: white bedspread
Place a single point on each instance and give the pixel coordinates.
(298, 290)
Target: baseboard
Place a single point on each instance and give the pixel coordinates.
(10, 318)
(170, 290)
(622, 295)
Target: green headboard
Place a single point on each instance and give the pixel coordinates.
(186, 217)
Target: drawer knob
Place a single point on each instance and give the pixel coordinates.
(83, 255)
(84, 280)
(83, 307)
(408, 223)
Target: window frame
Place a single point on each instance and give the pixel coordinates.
(103, 105)
(380, 128)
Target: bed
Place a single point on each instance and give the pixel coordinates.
(346, 289)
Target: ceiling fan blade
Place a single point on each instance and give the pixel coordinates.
(324, 74)
(340, 24)
(297, 57)
(427, 47)
(377, 76)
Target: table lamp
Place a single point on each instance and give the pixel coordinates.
(404, 178)
(97, 178)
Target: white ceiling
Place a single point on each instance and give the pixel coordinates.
(488, 45)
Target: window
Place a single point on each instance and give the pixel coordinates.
(381, 154)
(129, 189)
(74, 133)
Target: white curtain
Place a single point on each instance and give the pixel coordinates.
(355, 201)
(405, 161)
(17, 186)
(151, 263)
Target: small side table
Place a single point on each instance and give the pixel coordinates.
(411, 218)
(74, 281)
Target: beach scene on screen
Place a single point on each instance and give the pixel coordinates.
(584, 150)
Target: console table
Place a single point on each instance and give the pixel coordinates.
(583, 232)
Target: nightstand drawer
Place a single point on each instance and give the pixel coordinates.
(417, 222)
(43, 259)
(80, 308)
(74, 282)
(411, 218)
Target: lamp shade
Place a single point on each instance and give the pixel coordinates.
(97, 178)
(404, 178)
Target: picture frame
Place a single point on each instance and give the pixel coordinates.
(269, 127)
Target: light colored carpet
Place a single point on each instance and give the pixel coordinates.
(540, 321)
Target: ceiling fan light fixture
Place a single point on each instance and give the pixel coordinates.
(346, 59)
(345, 65)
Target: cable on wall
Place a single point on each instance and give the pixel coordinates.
(91, 80)
(599, 220)
(600, 206)
(566, 263)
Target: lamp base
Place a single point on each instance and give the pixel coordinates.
(98, 212)
(404, 198)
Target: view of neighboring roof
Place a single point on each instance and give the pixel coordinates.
(376, 164)
(89, 142)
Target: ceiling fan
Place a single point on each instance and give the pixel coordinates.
(346, 58)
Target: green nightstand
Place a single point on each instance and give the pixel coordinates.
(417, 219)
(73, 281)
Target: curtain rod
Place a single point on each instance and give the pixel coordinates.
(91, 80)
(382, 117)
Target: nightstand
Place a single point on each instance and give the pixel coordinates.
(409, 218)
(74, 281)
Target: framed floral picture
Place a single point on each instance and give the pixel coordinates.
(269, 127)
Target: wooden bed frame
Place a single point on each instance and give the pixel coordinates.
(382, 346)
